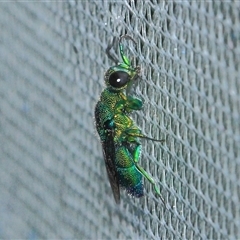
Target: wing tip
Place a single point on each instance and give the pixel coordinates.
(117, 200)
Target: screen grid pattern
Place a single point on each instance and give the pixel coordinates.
(53, 180)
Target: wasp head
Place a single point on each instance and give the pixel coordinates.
(122, 75)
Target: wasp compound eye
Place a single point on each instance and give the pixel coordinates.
(118, 79)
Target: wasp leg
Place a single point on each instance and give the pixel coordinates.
(133, 104)
(128, 105)
(109, 47)
(151, 180)
(133, 133)
(136, 155)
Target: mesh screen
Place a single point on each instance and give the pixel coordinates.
(53, 181)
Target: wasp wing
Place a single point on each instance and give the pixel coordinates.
(109, 157)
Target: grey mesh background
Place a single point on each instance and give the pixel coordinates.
(53, 182)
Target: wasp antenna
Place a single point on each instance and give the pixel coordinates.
(124, 57)
(127, 37)
(108, 49)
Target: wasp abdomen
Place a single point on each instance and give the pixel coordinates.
(129, 176)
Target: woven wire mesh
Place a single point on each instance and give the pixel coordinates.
(53, 181)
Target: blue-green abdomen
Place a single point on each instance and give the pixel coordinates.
(128, 175)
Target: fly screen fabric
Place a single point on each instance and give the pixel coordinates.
(53, 181)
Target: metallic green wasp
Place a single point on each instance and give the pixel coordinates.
(118, 132)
